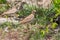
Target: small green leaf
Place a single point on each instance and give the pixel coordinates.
(54, 25)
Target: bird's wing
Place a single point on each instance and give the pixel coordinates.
(13, 10)
(28, 18)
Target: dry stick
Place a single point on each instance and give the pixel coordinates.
(3, 20)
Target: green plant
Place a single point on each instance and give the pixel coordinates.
(26, 10)
(4, 7)
(2, 1)
(56, 4)
(57, 7)
(54, 25)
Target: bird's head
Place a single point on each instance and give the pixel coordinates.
(34, 11)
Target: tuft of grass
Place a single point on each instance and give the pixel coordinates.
(2, 1)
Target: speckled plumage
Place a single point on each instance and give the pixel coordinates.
(28, 18)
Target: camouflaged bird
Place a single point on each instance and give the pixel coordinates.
(28, 18)
(13, 12)
(14, 9)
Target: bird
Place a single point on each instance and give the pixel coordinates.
(12, 13)
(29, 18)
(14, 9)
